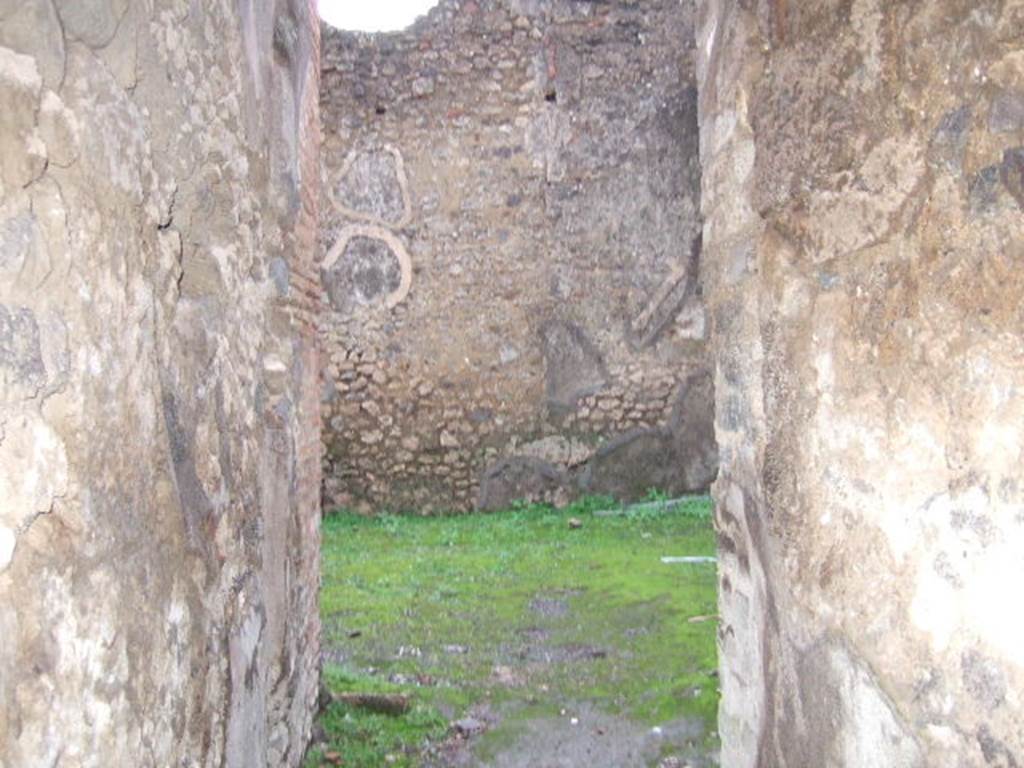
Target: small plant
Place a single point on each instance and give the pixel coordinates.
(390, 523)
(656, 495)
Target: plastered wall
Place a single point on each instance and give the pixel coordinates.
(864, 229)
(159, 451)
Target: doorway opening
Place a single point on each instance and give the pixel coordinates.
(514, 325)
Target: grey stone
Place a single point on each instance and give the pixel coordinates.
(364, 274)
(1011, 173)
(630, 465)
(519, 478)
(469, 726)
(983, 679)
(371, 186)
(22, 371)
(983, 190)
(692, 426)
(950, 138)
(423, 86)
(1007, 113)
(281, 275)
(93, 22)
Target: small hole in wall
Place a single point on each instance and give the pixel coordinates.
(551, 96)
(379, 110)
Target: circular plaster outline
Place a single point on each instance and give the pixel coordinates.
(403, 186)
(374, 232)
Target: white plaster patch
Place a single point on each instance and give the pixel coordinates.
(979, 608)
(934, 610)
(916, 446)
(824, 368)
(116, 139)
(942, 736)
(724, 128)
(985, 601)
(59, 128)
(966, 566)
(33, 470)
(20, 70)
(90, 668)
(274, 364)
(709, 39)
(998, 442)
(878, 447)
(871, 735)
(228, 259)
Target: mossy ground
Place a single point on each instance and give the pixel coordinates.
(518, 616)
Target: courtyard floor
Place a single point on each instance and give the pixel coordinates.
(533, 637)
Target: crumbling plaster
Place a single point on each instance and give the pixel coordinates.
(863, 236)
(159, 460)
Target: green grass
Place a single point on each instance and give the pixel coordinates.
(370, 739)
(517, 612)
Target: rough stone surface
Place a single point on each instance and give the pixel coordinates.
(862, 267)
(518, 478)
(629, 465)
(159, 459)
(539, 163)
(678, 458)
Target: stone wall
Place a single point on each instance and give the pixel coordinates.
(513, 236)
(864, 235)
(159, 460)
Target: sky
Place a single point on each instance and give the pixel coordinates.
(373, 15)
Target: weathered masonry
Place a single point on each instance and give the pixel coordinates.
(159, 449)
(861, 188)
(512, 228)
(864, 238)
